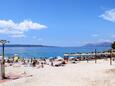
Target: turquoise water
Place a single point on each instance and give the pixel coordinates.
(28, 52)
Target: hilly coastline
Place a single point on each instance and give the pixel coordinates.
(103, 44)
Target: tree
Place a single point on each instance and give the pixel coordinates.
(113, 45)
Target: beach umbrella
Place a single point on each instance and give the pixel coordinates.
(16, 57)
(51, 57)
(71, 57)
(59, 58)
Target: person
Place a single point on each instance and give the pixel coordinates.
(63, 63)
(34, 63)
(42, 64)
(87, 59)
(8, 61)
(31, 60)
(52, 63)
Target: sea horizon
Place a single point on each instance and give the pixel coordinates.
(46, 52)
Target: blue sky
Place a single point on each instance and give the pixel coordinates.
(57, 22)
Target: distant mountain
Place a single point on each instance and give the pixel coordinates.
(25, 45)
(103, 44)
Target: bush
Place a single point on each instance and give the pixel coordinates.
(113, 45)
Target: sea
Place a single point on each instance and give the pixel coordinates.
(46, 52)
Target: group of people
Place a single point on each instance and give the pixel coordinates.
(33, 62)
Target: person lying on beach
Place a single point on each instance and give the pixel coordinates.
(60, 64)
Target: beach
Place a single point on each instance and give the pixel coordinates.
(79, 74)
(57, 43)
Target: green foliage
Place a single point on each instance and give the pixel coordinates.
(113, 45)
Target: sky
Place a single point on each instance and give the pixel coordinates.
(57, 22)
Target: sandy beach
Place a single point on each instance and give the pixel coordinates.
(57, 42)
(80, 74)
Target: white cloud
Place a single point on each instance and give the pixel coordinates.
(18, 29)
(20, 35)
(113, 35)
(40, 39)
(95, 35)
(104, 40)
(109, 15)
(34, 37)
(98, 41)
